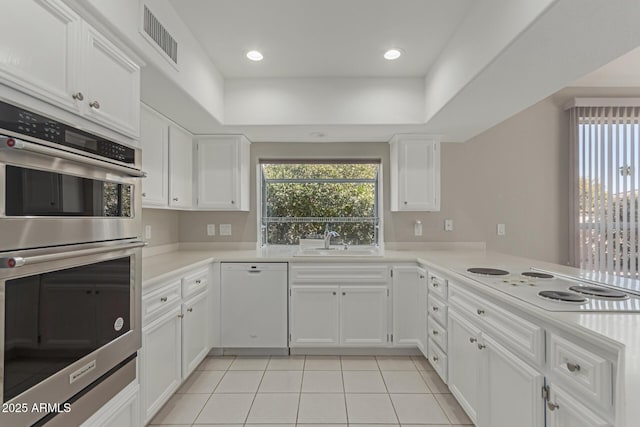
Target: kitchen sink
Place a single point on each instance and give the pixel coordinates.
(339, 252)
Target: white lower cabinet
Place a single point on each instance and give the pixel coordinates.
(409, 306)
(195, 333)
(161, 364)
(176, 329)
(363, 315)
(464, 363)
(510, 389)
(565, 411)
(314, 316)
(351, 316)
(121, 411)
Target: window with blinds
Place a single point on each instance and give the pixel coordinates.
(301, 199)
(605, 159)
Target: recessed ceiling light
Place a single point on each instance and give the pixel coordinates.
(392, 54)
(254, 55)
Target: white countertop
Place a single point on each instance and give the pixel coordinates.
(617, 330)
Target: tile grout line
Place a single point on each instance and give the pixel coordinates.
(213, 391)
(388, 394)
(246, 418)
(344, 391)
(304, 362)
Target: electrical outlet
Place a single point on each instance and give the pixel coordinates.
(448, 225)
(501, 230)
(211, 229)
(147, 232)
(225, 229)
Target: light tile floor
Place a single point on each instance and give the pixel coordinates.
(312, 391)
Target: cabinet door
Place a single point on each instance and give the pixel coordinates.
(511, 389)
(160, 364)
(314, 316)
(464, 362)
(422, 311)
(154, 140)
(112, 83)
(363, 315)
(194, 333)
(568, 412)
(416, 182)
(223, 173)
(407, 329)
(180, 168)
(39, 50)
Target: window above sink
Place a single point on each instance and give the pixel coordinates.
(309, 199)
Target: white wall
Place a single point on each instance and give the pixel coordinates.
(324, 101)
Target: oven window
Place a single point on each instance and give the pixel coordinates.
(53, 319)
(32, 192)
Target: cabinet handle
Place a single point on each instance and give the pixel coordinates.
(472, 340)
(144, 194)
(435, 284)
(434, 332)
(405, 202)
(334, 293)
(181, 315)
(435, 358)
(480, 312)
(421, 276)
(233, 202)
(78, 96)
(198, 281)
(481, 346)
(190, 310)
(435, 308)
(163, 299)
(573, 367)
(175, 199)
(94, 104)
(552, 406)
(344, 293)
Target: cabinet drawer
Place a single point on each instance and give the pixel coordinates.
(195, 283)
(438, 286)
(437, 333)
(581, 370)
(331, 273)
(160, 301)
(437, 309)
(438, 360)
(515, 332)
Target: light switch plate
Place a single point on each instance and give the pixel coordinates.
(448, 225)
(501, 230)
(225, 229)
(211, 229)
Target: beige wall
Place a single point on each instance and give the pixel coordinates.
(164, 226)
(516, 173)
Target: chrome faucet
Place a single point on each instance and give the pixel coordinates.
(328, 234)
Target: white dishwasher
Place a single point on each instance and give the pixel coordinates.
(254, 305)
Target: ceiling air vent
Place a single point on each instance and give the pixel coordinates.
(160, 35)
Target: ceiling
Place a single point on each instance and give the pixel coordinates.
(327, 38)
(621, 72)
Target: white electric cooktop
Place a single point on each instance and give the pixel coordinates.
(556, 292)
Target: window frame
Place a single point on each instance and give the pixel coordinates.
(261, 191)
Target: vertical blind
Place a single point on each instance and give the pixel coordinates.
(605, 159)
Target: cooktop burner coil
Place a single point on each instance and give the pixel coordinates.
(596, 291)
(488, 271)
(562, 296)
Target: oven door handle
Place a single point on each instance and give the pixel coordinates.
(10, 143)
(14, 262)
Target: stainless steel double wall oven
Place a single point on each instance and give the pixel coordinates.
(70, 269)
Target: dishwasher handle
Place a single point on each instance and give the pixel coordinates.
(254, 271)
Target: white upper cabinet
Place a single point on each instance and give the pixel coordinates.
(180, 168)
(154, 140)
(223, 173)
(415, 173)
(50, 53)
(112, 83)
(39, 50)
